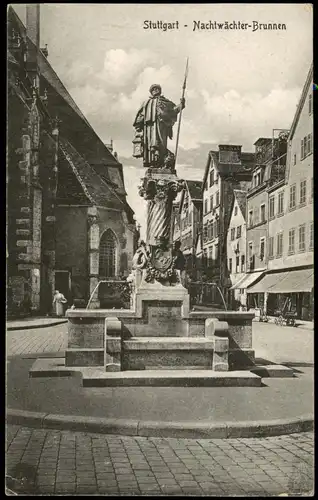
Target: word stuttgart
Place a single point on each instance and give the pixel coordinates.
(160, 25)
(237, 25)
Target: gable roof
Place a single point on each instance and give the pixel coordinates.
(240, 197)
(95, 189)
(226, 169)
(50, 76)
(194, 189)
(301, 102)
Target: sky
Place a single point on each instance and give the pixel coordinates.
(241, 83)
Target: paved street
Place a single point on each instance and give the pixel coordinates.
(67, 462)
(283, 344)
(37, 340)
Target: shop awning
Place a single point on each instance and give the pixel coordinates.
(247, 280)
(300, 280)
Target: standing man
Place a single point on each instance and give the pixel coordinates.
(153, 124)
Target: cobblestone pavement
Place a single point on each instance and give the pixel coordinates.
(76, 463)
(37, 340)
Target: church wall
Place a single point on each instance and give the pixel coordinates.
(72, 247)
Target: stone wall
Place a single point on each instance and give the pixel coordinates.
(72, 247)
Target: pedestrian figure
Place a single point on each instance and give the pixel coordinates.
(58, 301)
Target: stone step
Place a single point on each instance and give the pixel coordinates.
(276, 371)
(168, 343)
(97, 377)
(157, 353)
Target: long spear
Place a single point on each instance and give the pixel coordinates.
(180, 114)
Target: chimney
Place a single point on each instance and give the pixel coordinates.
(33, 35)
(229, 153)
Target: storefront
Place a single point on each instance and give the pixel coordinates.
(239, 291)
(292, 289)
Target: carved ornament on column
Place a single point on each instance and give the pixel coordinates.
(92, 219)
(160, 189)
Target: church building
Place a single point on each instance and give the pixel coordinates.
(68, 221)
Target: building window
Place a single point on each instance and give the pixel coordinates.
(302, 197)
(237, 266)
(216, 252)
(242, 263)
(292, 197)
(295, 159)
(209, 230)
(291, 241)
(250, 249)
(210, 256)
(271, 247)
(216, 178)
(250, 218)
(311, 240)
(306, 146)
(280, 208)
(205, 231)
(211, 202)
(216, 229)
(279, 248)
(251, 256)
(230, 265)
(310, 104)
(311, 189)
(233, 233)
(235, 211)
(238, 231)
(107, 254)
(302, 238)
(217, 198)
(206, 185)
(211, 177)
(262, 213)
(272, 207)
(309, 144)
(205, 257)
(205, 206)
(262, 249)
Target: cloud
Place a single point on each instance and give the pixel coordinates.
(121, 66)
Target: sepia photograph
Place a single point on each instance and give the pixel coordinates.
(159, 250)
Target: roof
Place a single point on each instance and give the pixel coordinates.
(195, 189)
(96, 190)
(87, 132)
(227, 169)
(301, 102)
(195, 192)
(12, 59)
(263, 140)
(241, 200)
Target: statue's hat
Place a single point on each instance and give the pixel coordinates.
(155, 85)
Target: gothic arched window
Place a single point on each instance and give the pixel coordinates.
(107, 254)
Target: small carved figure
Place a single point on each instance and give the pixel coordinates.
(141, 256)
